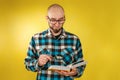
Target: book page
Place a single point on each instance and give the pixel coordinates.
(66, 68)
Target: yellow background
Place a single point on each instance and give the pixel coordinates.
(96, 22)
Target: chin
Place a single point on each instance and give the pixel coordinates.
(56, 30)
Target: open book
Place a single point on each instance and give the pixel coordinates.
(67, 68)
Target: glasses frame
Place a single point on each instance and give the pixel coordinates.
(54, 21)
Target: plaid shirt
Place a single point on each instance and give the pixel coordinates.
(65, 50)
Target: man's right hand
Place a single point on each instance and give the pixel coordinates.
(43, 59)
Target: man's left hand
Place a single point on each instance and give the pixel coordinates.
(67, 73)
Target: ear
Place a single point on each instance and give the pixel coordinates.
(47, 18)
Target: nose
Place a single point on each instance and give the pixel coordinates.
(57, 24)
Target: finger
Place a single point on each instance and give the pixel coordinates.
(69, 73)
(65, 73)
(72, 73)
(42, 61)
(48, 57)
(45, 59)
(59, 72)
(74, 70)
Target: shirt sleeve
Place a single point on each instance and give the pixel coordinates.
(78, 56)
(31, 61)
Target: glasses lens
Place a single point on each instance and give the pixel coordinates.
(53, 21)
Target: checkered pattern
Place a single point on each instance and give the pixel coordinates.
(65, 50)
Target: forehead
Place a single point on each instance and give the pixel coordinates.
(56, 13)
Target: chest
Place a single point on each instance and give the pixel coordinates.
(61, 49)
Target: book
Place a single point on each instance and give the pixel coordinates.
(67, 68)
(56, 67)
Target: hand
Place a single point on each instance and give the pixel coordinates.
(43, 59)
(66, 73)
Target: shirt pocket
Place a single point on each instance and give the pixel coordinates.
(44, 50)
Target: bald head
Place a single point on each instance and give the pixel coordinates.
(55, 11)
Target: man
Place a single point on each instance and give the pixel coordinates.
(54, 46)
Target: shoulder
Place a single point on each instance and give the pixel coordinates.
(71, 35)
(40, 34)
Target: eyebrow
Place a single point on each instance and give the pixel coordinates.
(59, 18)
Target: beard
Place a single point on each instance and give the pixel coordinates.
(55, 30)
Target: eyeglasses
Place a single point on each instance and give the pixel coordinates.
(54, 21)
